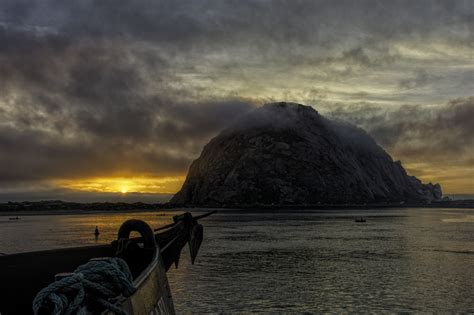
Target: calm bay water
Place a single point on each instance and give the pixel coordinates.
(298, 262)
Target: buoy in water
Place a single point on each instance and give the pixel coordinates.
(96, 232)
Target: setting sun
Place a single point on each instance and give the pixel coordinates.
(149, 185)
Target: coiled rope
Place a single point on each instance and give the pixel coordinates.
(97, 283)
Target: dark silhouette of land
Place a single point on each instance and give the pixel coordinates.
(58, 206)
(288, 154)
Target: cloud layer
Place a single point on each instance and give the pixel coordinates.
(102, 89)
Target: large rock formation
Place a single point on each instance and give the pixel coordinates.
(286, 153)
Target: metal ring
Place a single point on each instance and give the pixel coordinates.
(141, 227)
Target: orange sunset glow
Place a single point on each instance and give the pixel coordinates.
(236, 157)
(102, 108)
(124, 185)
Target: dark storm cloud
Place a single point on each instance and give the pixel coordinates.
(157, 141)
(96, 88)
(260, 23)
(419, 79)
(359, 56)
(83, 109)
(433, 133)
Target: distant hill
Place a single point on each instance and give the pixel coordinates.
(288, 154)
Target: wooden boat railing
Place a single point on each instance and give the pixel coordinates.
(24, 274)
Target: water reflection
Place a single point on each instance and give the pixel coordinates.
(318, 262)
(313, 261)
(57, 231)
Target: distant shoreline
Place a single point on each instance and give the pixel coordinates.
(65, 208)
(75, 212)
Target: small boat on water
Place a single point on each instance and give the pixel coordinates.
(28, 279)
(14, 218)
(359, 220)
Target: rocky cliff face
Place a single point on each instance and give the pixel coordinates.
(286, 153)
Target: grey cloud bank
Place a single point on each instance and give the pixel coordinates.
(102, 88)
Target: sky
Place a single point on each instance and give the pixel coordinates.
(112, 100)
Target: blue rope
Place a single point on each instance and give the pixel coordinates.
(97, 282)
